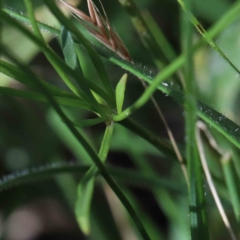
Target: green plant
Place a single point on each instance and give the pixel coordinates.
(89, 88)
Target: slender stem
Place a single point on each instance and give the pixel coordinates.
(225, 157)
(197, 212)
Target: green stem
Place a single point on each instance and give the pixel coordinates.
(197, 211)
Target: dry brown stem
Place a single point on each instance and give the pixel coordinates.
(99, 27)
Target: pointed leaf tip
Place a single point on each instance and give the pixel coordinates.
(120, 92)
(84, 225)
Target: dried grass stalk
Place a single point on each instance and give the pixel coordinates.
(99, 27)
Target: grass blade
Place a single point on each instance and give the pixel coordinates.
(197, 211)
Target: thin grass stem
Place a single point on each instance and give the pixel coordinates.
(201, 126)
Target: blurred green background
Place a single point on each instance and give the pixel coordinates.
(31, 134)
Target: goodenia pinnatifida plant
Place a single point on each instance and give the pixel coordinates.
(105, 102)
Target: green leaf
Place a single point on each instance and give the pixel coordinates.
(69, 51)
(79, 103)
(120, 92)
(88, 122)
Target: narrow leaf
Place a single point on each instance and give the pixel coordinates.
(120, 92)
